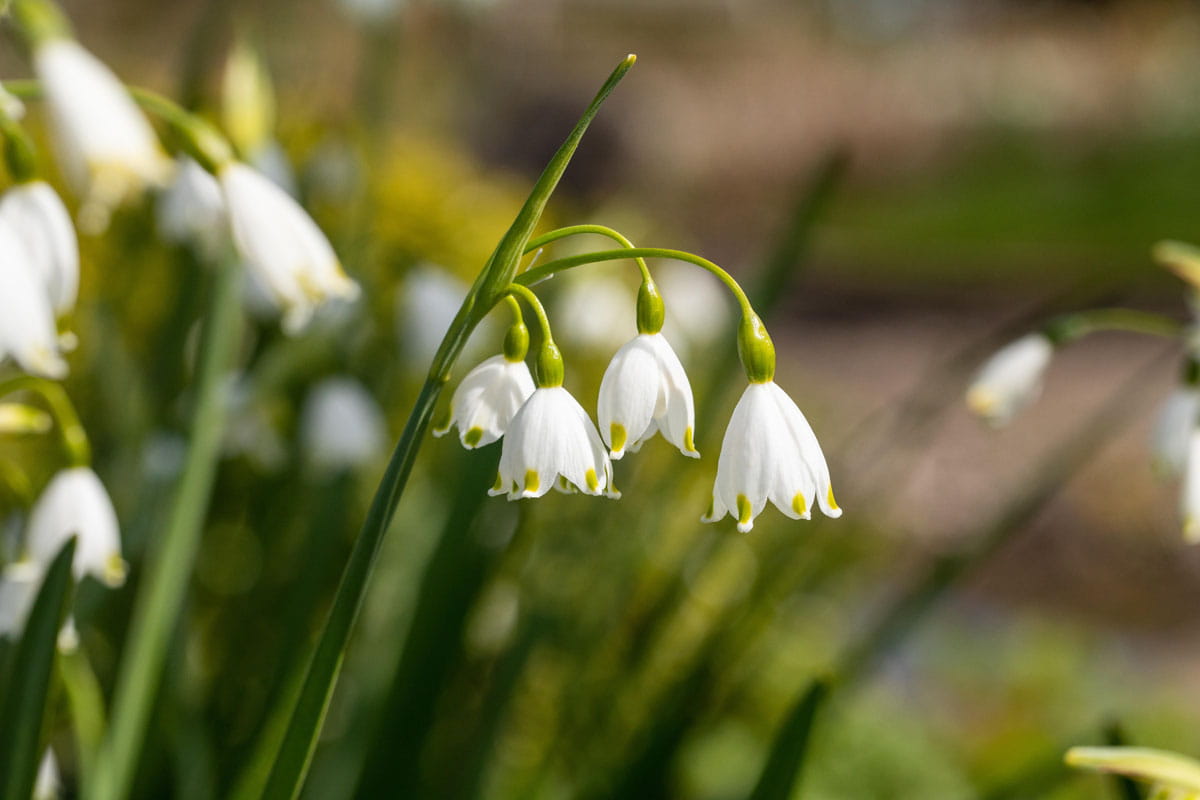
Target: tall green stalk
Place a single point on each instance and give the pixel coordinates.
(170, 561)
(295, 751)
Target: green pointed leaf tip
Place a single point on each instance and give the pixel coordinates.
(1144, 763)
(24, 705)
(501, 268)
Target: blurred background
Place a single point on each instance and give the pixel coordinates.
(904, 185)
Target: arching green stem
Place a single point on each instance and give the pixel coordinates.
(551, 268)
(74, 437)
(1076, 325)
(548, 365)
(599, 230)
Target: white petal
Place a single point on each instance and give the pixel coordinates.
(1190, 494)
(552, 436)
(27, 328)
(75, 503)
(487, 399)
(680, 410)
(48, 785)
(1169, 441)
(810, 454)
(192, 208)
(1011, 379)
(629, 395)
(40, 220)
(19, 584)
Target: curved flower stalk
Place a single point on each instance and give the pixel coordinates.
(75, 503)
(27, 329)
(342, 426)
(37, 216)
(107, 149)
(1011, 379)
(280, 242)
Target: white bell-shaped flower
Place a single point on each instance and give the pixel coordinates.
(1189, 499)
(552, 442)
(27, 329)
(75, 503)
(342, 426)
(19, 584)
(1011, 379)
(38, 217)
(645, 390)
(108, 150)
(486, 401)
(1171, 434)
(769, 453)
(192, 209)
(282, 245)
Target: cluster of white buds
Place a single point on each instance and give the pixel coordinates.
(769, 452)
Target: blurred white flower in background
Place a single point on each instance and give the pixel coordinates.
(75, 503)
(1011, 379)
(48, 785)
(279, 241)
(19, 584)
(1189, 499)
(38, 217)
(108, 151)
(770, 453)
(192, 209)
(426, 302)
(1172, 430)
(27, 328)
(595, 311)
(698, 308)
(342, 426)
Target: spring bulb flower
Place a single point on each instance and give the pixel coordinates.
(1011, 379)
(645, 390)
(107, 148)
(27, 328)
(282, 245)
(37, 216)
(342, 426)
(484, 404)
(551, 441)
(192, 209)
(1176, 420)
(75, 503)
(769, 453)
(1190, 494)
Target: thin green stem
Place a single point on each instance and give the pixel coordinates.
(1076, 325)
(74, 437)
(599, 230)
(169, 566)
(515, 308)
(86, 701)
(539, 311)
(551, 268)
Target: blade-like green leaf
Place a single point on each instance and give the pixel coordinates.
(25, 703)
(785, 764)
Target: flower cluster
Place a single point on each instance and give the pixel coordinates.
(769, 452)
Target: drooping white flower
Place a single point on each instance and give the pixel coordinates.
(342, 426)
(645, 390)
(38, 217)
(1011, 379)
(48, 785)
(1176, 420)
(192, 208)
(108, 150)
(279, 241)
(75, 503)
(486, 401)
(769, 453)
(552, 442)
(27, 329)
(1189, 499)
(19, 584)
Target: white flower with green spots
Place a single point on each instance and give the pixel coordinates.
(552, 442)
(769, 453)
(40, 220)
(1011, 379)
(76, 504)
(645, 390)
(288, 253)
(486, 401)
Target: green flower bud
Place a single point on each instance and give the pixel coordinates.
(516, 342)
(650, 309)
(755, 350)
(548, 367)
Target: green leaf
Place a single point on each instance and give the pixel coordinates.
(25, 703)
(785, 764)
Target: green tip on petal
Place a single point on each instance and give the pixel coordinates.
(115, 570)
(498, 486)
(471, 438)
(532, 482)
(616, 432)
(689, 443)
(833, 503)
(799, 505)
(593, 482)
(745, 513)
